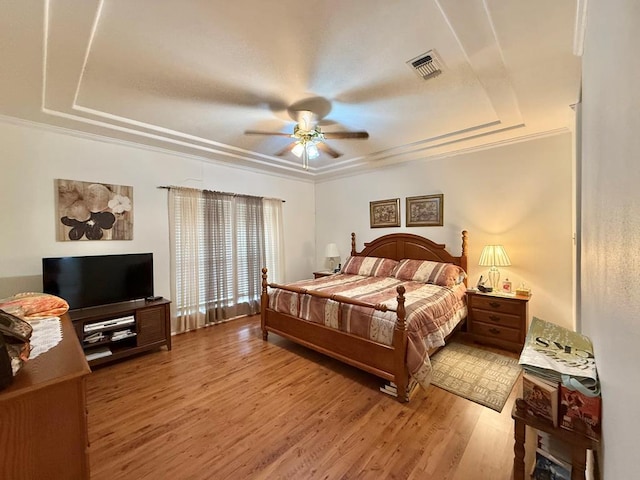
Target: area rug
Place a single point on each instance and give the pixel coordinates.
(483, 377)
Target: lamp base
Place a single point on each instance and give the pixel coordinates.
(494, 277)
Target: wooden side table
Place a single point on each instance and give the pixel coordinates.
(324, 273)
(499, 320)
(579, 442)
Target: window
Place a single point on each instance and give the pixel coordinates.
(220, 242)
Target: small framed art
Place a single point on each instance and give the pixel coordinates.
(506, 286)
(425, 211)
(385, 213)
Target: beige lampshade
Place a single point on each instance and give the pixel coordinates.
(494, 256)
(331, 251)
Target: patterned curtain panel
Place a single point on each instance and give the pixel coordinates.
(219, 245)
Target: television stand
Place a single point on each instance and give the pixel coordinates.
(119, 330)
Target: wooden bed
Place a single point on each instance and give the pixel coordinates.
(387, 362)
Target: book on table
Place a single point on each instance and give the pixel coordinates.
(576, 407)
(541, 397)
(548, 467)
(566, 358)
(554, 446)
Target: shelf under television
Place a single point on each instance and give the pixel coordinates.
(107, 341)
(123, 352)
(150, 324)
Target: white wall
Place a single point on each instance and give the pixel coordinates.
(518, 195)
(32, 157)
(611, 222)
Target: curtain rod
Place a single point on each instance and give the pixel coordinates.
(169, 187)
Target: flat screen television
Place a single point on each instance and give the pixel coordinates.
(99, 279)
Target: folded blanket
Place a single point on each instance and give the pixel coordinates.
(31, 305)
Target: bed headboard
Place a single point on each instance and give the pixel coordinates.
(406, 245)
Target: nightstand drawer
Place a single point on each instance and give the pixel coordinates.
(495, 304)
(502, 333)
(498, 319)
(321, 274)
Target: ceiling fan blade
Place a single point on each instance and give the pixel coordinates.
(285, 150)
(260, 132)
(327, 149)
(339, 135)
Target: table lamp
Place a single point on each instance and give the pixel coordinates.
(494, 256)
(331, 252)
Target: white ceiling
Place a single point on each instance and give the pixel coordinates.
(192, 75)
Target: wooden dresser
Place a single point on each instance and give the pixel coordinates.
(498, 320)
(43, 417)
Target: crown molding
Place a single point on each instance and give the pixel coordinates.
(580, 28)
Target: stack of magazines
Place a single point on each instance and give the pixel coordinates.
(560, 368)
(559, 355)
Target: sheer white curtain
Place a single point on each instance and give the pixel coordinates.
(219, 244)
(274, 239)
(186, 221)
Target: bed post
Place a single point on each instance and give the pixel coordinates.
(264, 303)
(353, 244)
(463, 257)
(400, 348)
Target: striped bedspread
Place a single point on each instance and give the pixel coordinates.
(432, 312)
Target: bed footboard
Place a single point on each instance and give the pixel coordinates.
(388, 362)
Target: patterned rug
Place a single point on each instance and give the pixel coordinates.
(483, 377)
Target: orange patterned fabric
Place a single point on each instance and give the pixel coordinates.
(32, 305)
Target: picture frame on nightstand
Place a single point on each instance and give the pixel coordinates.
(507, 287)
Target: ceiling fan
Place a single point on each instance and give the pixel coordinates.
(309, 138)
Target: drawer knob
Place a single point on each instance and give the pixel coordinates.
(494, 318)
(494, 330)
(494, 304)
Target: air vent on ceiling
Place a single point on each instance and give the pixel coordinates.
(426, 65)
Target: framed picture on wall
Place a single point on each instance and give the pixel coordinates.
(93, 211)
(425, 211)
(385, 213)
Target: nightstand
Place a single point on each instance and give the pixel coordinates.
(498, 320)
(324, 273)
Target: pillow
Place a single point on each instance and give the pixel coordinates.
(452, 275)
(369, 266)
(425, 271)
(32, 305)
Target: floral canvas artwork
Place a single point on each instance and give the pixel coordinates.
(93, 211)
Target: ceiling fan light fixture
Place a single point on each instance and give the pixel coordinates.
(305, 148)
(312, 151)
(309, 139)
(298, 149)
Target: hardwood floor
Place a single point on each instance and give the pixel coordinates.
(224, 404)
